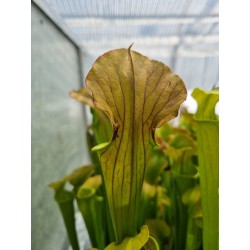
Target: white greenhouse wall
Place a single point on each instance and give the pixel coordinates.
(58, 126)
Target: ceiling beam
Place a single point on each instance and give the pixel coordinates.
(151, 41)
(161, 53)
(92, 21)
(125, 17)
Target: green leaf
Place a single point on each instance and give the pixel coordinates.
(157, 162)
(192, 195)
(93, 182)
(151, 244)
(187, 121)
(100, 146)
(192, 198)
(65, 201)
(178, 211)
(159, 229)
(181, 141)
(148, 203)
(80, 175)
(132, 243)
(101, 130)
(76, 178)
(194, 235)
(207, 130)
(101, 126)
(91, 208)
(101, 123)
(206, 104)
(138, 95)
(179, 146)
(163, 132)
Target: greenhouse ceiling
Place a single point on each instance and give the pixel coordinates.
(181, 33)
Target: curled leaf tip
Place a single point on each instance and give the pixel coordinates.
(130, 46)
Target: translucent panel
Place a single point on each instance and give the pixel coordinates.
(172, 30)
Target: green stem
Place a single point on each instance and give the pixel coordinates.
(208, 148)
(207, 131)
(65, 201)
(91, 207)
